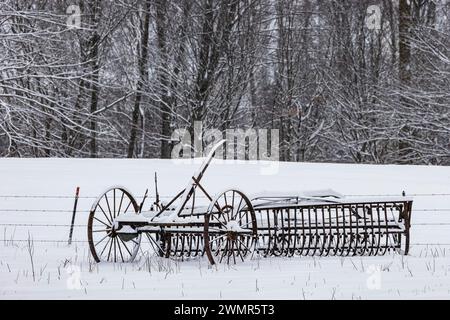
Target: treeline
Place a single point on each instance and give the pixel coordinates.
(346, 81)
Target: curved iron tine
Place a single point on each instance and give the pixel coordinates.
(176, 246)
(255, 247)
(338, 233)
(280, 232)
(242, 250)
(349, 250)
(327, 236)
(357, 234)
(269, 250)
(294, 228)
(316, 234)
(183, 240)
(287, 226)
(199, 238)
(387, 228)
(219, 246)
(379, 229)
(240, 253)
(194, 248)
(344, 249)
(188, 248)
(303, 232)
(372, 229)
(366, 233)
(310, 233)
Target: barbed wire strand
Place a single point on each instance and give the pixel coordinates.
(88, 210)
(169, 197)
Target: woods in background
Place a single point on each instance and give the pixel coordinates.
(343, 81)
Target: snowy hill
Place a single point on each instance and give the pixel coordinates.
(45, 219)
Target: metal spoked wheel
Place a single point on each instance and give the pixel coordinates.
(230, 230)
(105, 243)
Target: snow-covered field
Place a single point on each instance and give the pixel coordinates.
(44, 269)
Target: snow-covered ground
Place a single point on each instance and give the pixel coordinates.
(59, 269)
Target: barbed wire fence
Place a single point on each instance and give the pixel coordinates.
(68, 225)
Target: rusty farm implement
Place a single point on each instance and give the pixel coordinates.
(232, 227)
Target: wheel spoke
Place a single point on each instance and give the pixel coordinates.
(224, 251)
(219, 221)
(232, 250)
(123, 242)
(105, 246)
(217, 238)
(115, 252)
(109, 226)
(219, 247)
(240, 219)
(101, 230)
(110, 247)
(127, 207)
(120, 204)
(102, 239)
(109, 208)
(104, 213)
(245, 225)
(225, 197)
(114, 203)
(239, 253)
(238, 208)
(243, 244)
(232, 206)
(120, 250)
(153, 243)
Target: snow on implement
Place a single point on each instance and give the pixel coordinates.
(230, 227)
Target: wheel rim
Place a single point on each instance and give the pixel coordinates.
(230, 228)
(104, 242)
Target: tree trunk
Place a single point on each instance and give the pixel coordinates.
(163, 78)
(94, 92)
(404, 48)
(93, 45)
(143, 59)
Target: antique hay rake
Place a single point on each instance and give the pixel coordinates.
(231, 227)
